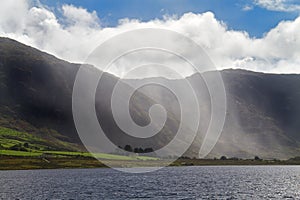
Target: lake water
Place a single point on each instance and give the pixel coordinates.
(228, 182)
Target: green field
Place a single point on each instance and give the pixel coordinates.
(10, 138)
(20, 150)
(40, 139)
(72, 154)
(21, 144)
(19, 153)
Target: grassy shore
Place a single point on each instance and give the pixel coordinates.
(57, 160)
(22, 150)
(10, 159)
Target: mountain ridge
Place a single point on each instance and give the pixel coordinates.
(36, 90)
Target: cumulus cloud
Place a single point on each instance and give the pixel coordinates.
(75, 34)
(80, 17)
(279, 5)
(13, 14)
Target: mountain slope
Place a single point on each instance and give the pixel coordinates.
(36, 98)
(35, 92)
(263, 115)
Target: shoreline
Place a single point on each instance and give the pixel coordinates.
(31, 163)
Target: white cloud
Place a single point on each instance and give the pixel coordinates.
(80, 16)
(247, 8)
(279, 5)
(78, 32)
(13, 14)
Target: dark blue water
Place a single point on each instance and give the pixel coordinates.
(252, 182)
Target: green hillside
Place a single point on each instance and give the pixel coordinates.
(36, 140)
(21, 144)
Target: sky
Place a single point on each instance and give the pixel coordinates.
(246, 15)
(258, 35)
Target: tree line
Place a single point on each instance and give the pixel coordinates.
(128, 148)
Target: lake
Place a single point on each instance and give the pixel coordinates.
(214, 182)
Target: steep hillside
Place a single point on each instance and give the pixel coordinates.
(36, 99)
(263, 115)
(36, 92)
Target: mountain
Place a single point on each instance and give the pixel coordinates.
(262, 113)
(36, 98)
(263, 116)
(36, 93)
